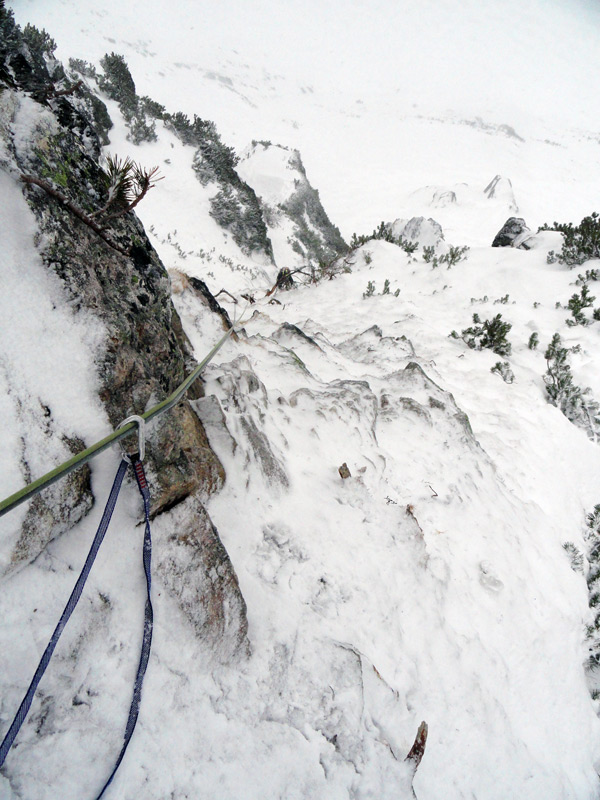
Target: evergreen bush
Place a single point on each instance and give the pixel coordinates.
(503, 369)
(592, 537)
(575, 556)
(38, 41)
(581, 242)
(384, 233)
(83, 68)
(489, 334)
(428, 253)
(590, 275)
(576, 304)
(453, 256)
(575, 403)
(370, 290)
(118, 84)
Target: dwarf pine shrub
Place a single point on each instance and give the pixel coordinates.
(384, 233)
(592, 537)
(503, 369)
(575, 556)
(370, 290)
(118, 84)
(581, 242)
(489, 334)
(82, 67)
(576, 403)
(38, 40)
(453, 256)
(576, 304)
(428, 253)
(590, 275)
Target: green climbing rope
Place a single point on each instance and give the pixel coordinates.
(86, 455)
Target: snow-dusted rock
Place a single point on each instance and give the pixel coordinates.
(371, 345)
(514, 233)
(501, 190)
(424, 232)
(193, 567)
(122, 350)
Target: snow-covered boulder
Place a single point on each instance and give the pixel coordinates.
(501, 190)
(425, 232)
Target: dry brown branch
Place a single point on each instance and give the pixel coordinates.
(224, 291)
(64, 92)
(31, 180)
(410, 512)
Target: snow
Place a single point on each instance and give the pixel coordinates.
(47, 371)
(268, 171)
(374, 98)
(432, 584)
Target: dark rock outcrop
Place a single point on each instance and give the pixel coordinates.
(514, 233)
(202, 289)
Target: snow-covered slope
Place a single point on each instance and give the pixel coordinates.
(380, 99)
(430, 583)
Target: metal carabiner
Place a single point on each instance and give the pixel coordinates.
(141, 423)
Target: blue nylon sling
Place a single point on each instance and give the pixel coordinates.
(70, 607)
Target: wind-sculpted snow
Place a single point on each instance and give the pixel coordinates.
(391, 596)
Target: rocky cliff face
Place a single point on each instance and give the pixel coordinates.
(114, 277)
(298, 225)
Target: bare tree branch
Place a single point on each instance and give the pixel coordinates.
(86, 218)
(224, 291)
(64, 92)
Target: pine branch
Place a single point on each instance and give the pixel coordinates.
(86, 218)
(141, 184)
(128, 184)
